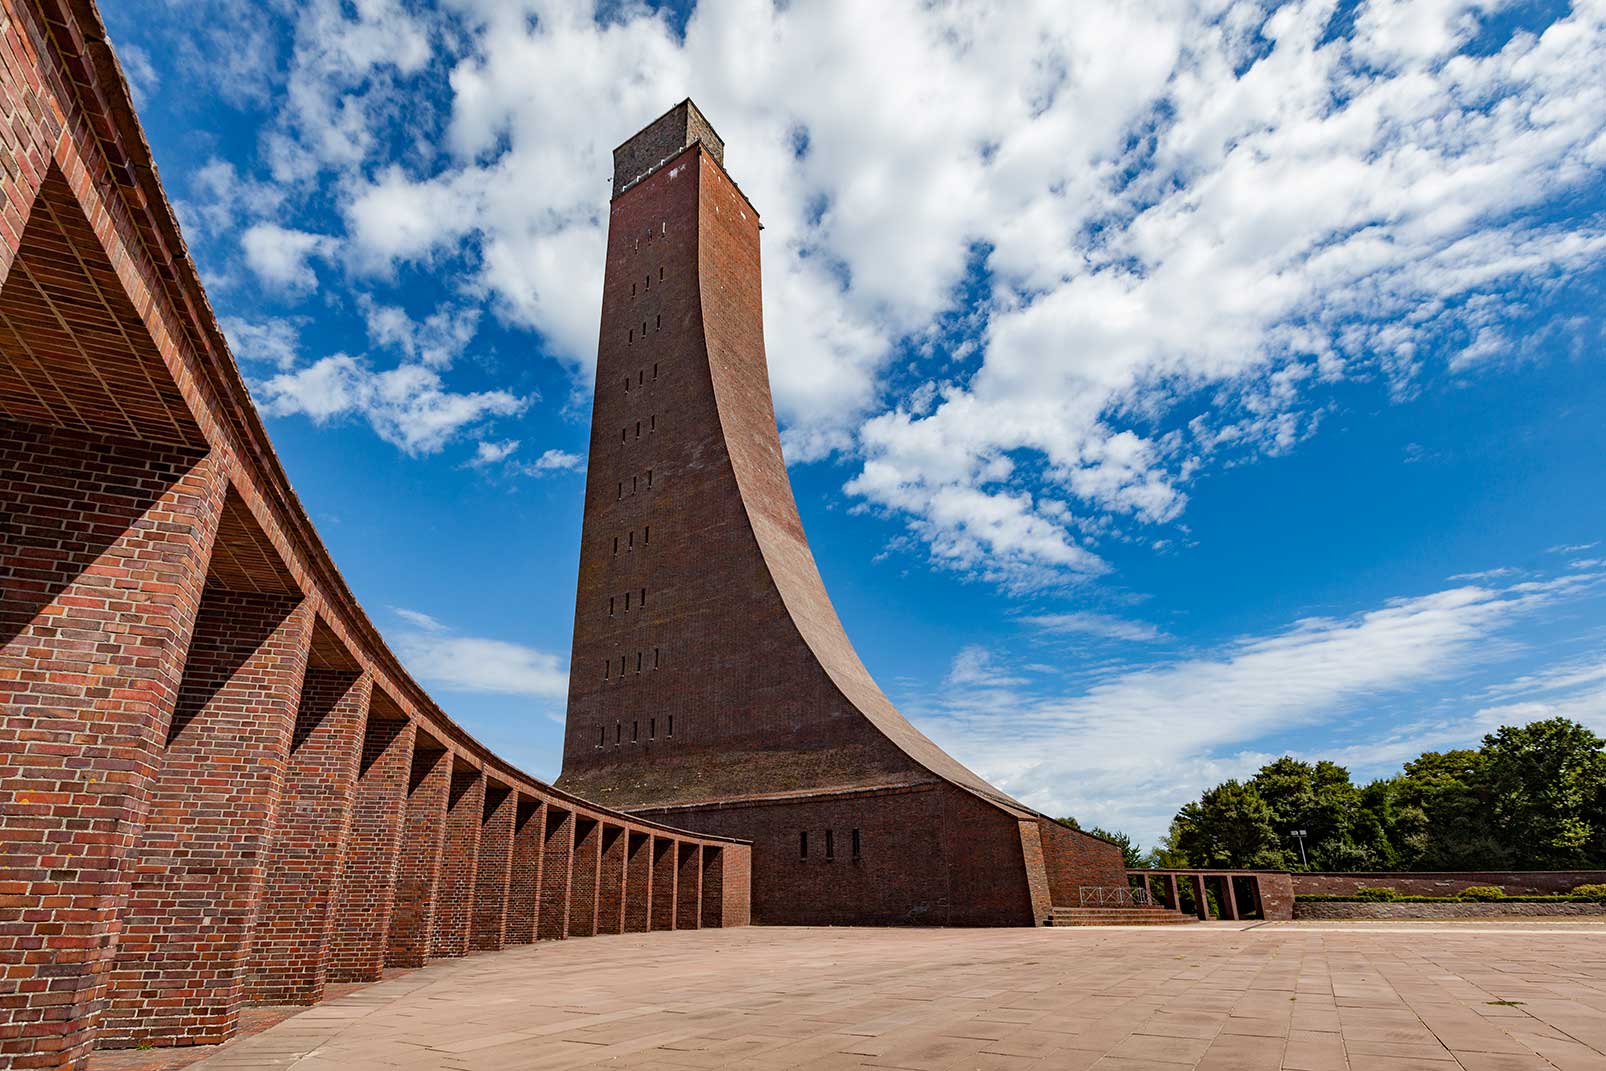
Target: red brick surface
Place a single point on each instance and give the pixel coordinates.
(492, 875)
(556, 866)
(711, 680)
(583, 877)
(460, 853)
(524, 883)
(373, 847)
(1448, 883)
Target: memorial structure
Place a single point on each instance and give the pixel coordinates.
(218, 786)
(711, 683)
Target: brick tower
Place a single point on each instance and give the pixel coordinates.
(712, 684)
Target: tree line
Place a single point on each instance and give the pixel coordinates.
(1529, 798)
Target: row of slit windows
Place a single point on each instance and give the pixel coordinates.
(641, 376)
(647, 236)
(647, 281)
(657, 325)
(630, 544)
(641, 602)
(643, 662)
(635, 731)
(636, 483)
(855, 845)
(651, 426)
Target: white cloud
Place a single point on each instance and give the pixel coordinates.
(437, 656)
(1166, 199)
(275, 342)
(489, 453)
(408, 406)
(281, 257)
(438, 340)
(554, 461)
(1135, 745)
(1101, 626)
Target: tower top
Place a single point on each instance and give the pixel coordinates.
(662, 138)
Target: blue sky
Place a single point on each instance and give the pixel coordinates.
(1165, 387)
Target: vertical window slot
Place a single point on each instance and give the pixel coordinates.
(803, 844)
(830, 846)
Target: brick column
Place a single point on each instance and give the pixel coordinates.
(495, 867)
(1201, 901)
(524, 884)
(418, 869)
(1229, 903)
(611, 881)
(664, 867)
(712, 890)
(197, 872)
(638, 883)
(1173, 899)
(689, 887)
(104, 551)
(368, 881)
(558, 852)
(583, 878)
(460, 856)
(290, 943)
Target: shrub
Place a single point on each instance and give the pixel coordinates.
(1483, 892)
(1370, 892)
(1593, 890)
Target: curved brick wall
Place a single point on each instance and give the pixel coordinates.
(218, 786)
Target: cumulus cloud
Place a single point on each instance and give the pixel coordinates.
(1134, 745)
(408, 406)
(554, 461)
(281, 256)
(440, 657)
(275, 342)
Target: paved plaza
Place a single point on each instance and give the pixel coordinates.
(1236, 997)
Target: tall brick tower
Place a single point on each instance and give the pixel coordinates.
(712, 683)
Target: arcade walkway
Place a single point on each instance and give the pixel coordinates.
(1230, 996)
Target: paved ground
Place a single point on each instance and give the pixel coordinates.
(1314, 997)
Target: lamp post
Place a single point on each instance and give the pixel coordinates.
(1303, 862)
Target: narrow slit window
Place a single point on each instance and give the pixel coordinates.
(646, 533)
(602, 735)
(635, 731)
(632, 289)
(607, 667)
(663, 228)
(652, 728)
(638, 429)
(622, 433)
(830, 845)
(648, 284)
(627, 384)
(634, 487)
(610, 605)
(621, 665)
(658, 322)
(855, 845)
(631, 340)
(641, 376)
(671, 725)
(616, 544)
(649, 477)
(655, 370)
(803, 844)
(630, 539)
(621, 489)
(643, 600)
(655, 666)
(627, 602)
(652, 422)
(638, 661)
(644, 329)
(660, 272)
(618, 730)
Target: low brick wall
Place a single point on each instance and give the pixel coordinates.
(1305, 909)
(1447, 882)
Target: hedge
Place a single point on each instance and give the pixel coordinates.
(1350, 898)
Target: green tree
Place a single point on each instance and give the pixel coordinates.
(1547, 781)
(1229, 826)
(1445, 817)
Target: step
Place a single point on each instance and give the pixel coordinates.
(1117, 916)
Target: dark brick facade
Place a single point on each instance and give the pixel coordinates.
(217, 784)
(711, 680)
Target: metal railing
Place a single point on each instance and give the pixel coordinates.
(1113, 896)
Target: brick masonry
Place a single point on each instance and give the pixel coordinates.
(1308, 910)
(1448, 883)
(210, 792)
(729, 699)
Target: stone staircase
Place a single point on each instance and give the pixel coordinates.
(1124, 915)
